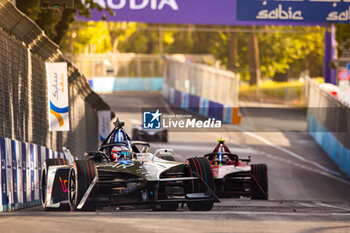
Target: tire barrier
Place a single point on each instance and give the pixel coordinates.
(328, 123)
(20, 176)
(111, 84)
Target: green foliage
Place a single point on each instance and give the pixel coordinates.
(282, 53)
(283, 50)
(55, 22)
(343, 35)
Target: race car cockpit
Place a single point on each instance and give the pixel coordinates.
(221, 155)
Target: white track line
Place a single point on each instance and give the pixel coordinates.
(291, 153)
(307, 205)
(332, 206)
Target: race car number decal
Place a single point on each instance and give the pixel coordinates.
(64, 185)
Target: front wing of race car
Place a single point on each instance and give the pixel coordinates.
(56, 191)
(110, 189)
(138, 191)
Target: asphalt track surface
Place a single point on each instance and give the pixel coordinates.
(308, 193)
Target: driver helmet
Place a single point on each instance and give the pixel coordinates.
(119, 136)
(221, 146)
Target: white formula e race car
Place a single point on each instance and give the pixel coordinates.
(123, 173)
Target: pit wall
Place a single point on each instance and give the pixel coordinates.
(112, 84)
(328, 122)
(21, 165)
(202, 106)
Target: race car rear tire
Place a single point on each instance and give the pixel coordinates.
(80, 177)
(201, 167)
(259, 183)
(48, 163)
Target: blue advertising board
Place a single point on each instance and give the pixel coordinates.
(214, 12)
(317, 11)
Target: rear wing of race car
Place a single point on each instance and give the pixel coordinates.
(246, 160)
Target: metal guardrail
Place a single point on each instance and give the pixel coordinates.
(24, 49)
(127, 64)
(220, 86)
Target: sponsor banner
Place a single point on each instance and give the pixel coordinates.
(3, 183)
(9, 175)
(24, 172)
(32, 173)
(227, 114)
(203, 106)
(47, 153)
(51, 154)
(177, 98)
(185, 100)
(58, 101)
(14, 174)
(294, 11)
(28, 173)
(19, 173)
(39, 164)
(194, 103)
(36, 172)
(222, 12)
(104, 125)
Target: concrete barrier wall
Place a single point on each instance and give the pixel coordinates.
(112, 84)
(202, 106)
(20, 176)
(329, 124)
(217, 85)
(202, 89)
(334, 148)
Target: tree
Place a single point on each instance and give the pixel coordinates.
(55, 22)
(342, 36)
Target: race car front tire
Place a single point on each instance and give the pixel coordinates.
(48, 163)
(80, 177)
(201, 167)
(259, 183)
